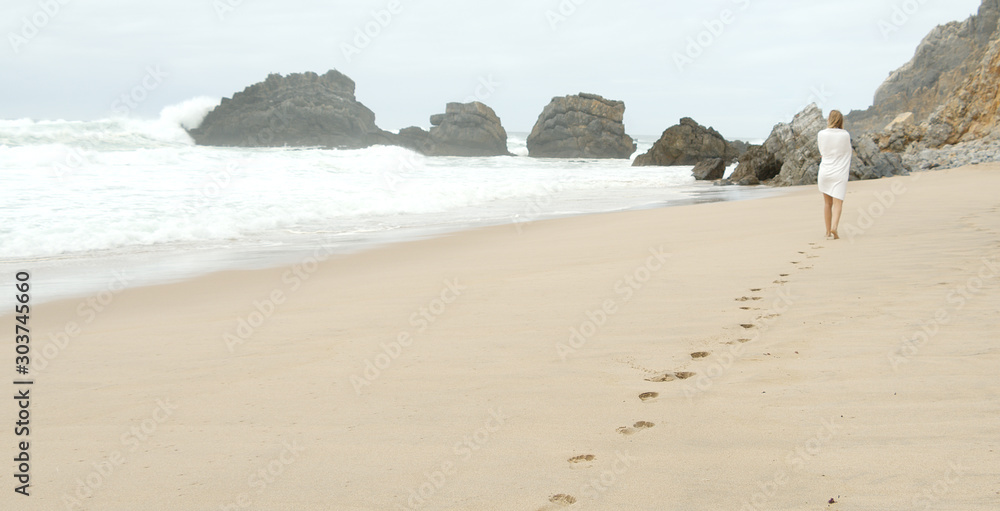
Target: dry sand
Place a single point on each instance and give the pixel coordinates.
(491, 397)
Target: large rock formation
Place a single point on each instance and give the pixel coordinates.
(969, 113)
(796, 147)
(581, 126)
(470, 129)
(687, 144)
(790, 155)
(940, 65)
(303, 109)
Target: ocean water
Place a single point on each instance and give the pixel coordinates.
(80, 200)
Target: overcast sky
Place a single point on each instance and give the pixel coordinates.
(758, 61)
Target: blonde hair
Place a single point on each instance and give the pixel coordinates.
(836, 120)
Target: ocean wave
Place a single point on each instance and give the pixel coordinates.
(81, 186)
(120, 133)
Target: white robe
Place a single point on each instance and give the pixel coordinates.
(835, 169)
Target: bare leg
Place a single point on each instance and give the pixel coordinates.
(828, 214)
(838, 208)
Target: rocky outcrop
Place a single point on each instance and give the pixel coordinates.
(709, 170)
(939, 66)
(469, 129)
(899, 134)
(951, 87)
(687, 143)
(756, 165)
(870, 162)
(304, 109)
(796, 147)
(581, 126)
(902, 120)
(971, 112)
(790, 155)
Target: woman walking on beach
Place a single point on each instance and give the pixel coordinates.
(835, 170)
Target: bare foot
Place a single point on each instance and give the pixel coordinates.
(835, 235)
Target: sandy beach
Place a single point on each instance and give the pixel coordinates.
(705, 357)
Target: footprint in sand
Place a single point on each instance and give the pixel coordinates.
(665, 377)
(562, 499)
(747, 326)
(740, 341)
(700, 354)
(783, 275)
(637, 427)
(648, 396)
(744, 308)
(781, 282)
(755, 290)
(583, 458)
(661, 378)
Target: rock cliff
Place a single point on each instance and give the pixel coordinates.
(968, 114)
(971, 112)
(939, 66)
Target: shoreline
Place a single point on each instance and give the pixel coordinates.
(709, 356)
(78, 275)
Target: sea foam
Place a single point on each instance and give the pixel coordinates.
(83, 187)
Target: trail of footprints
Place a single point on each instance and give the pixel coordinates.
(585, 460)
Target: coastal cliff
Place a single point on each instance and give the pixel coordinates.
(940, 65)
(962, 128)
